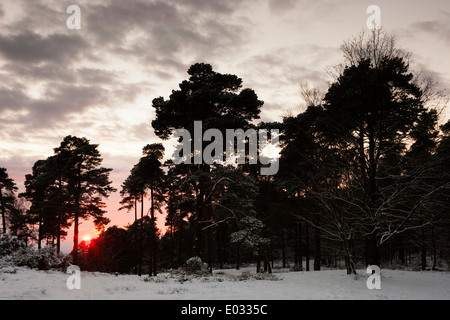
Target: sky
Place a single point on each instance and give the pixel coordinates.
(99, 81)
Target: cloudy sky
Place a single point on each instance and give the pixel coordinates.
(98, 82)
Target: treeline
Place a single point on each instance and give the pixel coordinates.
(364, 178)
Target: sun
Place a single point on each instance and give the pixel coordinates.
(87, 238)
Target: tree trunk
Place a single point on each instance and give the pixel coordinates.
(307, 246)
(150, 260)
(197, 252)
(401, 251)
(58, 237)
(172, 246)
(424, 251)
(349, 263)
(135, 236)
(238, 256)
(267, 260)
(40, 232)
(60, 217)
(77, 191)
(258, 260)
(178, 236)
(153, 231)
(300, 245)
(296, 248)
(141, 238)
(317, 256)
(433, 243)
(372, 251)
(75, 239)
(283, 250)
(220, 235)
(3, 212)
(208, 240)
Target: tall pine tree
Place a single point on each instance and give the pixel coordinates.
(7, 189)
(87, 183)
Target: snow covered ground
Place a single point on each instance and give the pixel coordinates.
(22, 283)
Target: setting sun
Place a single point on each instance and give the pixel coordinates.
(87, 238)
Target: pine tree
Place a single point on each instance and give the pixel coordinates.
(150, 170)
(37, 186)
(146, 178)
(131, 193)
(87, 183)
(7, 189)
(370, 111)
(219, 102)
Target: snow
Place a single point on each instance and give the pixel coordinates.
(31, 284)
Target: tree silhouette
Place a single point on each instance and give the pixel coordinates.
(131, 193)
(369, 113)
(217, 100)
(7, 189)
(146, 177)
(150, 171)
(47, 192)
(87, 182)
(360, 162)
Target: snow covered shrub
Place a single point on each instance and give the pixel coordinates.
(265, 276)
(9, 245)
(49, 259)
(7, 269)
(195, 266)
(296, 267)
(13, 252)
(158, 279)
(247, 275)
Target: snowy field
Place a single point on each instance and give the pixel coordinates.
(22, 283)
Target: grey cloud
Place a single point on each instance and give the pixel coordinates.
(19, 163)
(110, 23)
(96, 76)
(62, 102)
(40, 16)
(12, 99)
(214, 6)
(143, 131)
(45, 71)
(278, 6)
(30, 47)
(57, 104)
(272, 111)
(145, 30)
(289, 66)
(439, 28)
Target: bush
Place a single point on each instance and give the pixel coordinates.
(246, 275)
(195, 265)
(297, 267)
(9, 245)
(194, 268)
(43, 259)
(13, 252)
